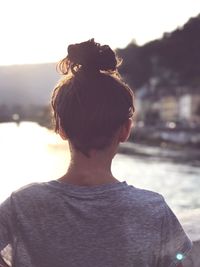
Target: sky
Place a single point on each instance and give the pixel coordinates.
(39, 31)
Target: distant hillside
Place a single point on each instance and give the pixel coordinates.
(27, 84)
(174, 59)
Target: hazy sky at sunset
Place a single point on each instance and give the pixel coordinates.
(34, 31)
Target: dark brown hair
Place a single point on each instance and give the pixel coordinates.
(92, 101)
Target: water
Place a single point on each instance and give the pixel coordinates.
(30, 153)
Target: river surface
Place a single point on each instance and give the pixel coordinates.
(31, 153)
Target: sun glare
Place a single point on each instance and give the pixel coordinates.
(19, 165)
(39, 31)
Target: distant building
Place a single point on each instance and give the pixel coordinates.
(169, 108)
(189, 108)
(175, 106)
(146, 105)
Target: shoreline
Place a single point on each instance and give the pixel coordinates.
(184, 155)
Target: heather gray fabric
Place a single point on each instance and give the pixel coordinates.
(112, 225)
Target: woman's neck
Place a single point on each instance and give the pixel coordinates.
(94, 170)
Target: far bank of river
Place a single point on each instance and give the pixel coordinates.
(164, 152)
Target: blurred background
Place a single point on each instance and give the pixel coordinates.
(159, 42)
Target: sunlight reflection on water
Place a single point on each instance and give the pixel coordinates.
(30, 153)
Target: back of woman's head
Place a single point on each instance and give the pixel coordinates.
(91, 102)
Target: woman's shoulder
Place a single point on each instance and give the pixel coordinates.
(29, 191)
(144, 201)
(144, 196)
(27, 188)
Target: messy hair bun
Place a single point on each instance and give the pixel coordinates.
(91, 102)
(90, 56)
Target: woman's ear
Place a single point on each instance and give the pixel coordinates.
(125, 130)
(62, 133)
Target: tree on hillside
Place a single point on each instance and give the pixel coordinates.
(173, 59)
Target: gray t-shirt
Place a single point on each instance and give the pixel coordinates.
(55, 224)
